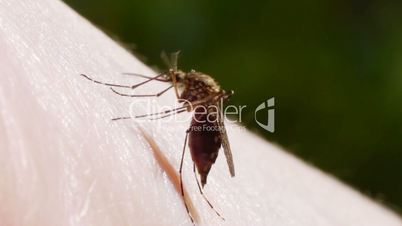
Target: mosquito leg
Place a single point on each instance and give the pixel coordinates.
(142, 116)
(142, 95)
(121, 86)
(178, 112)
(172, 111)
(181, 109)
(121, 118)
(181, 177)
(203, 195)
(128, 117)
(103, 83)
(175, 110)
(148, 77)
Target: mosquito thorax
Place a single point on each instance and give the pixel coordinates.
(197, 85)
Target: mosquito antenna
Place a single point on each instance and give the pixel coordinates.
(142, 95)
(145, 76)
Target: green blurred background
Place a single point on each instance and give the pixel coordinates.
(334, 67)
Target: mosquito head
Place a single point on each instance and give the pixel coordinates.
(176, 75)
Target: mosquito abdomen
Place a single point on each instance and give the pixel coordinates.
(204, 143)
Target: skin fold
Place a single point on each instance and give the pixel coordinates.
(64, 162)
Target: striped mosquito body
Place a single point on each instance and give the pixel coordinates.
(199, 93)
(204, 135)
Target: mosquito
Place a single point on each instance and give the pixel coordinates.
(198, 93)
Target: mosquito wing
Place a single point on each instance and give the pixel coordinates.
(225, 144)
(171, 61)
(174, 59)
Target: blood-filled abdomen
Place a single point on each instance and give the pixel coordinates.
(204, 143)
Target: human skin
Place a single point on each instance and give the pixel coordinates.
(64, 162)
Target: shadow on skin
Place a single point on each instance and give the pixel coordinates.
(171, 173)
